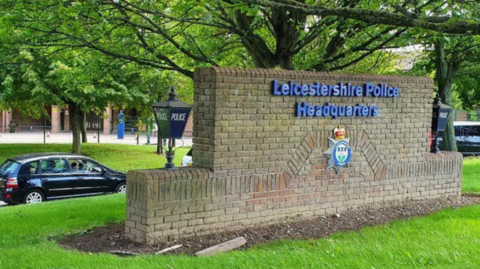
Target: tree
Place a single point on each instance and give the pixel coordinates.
(180, 35)
(451, 60)
(467, 82)
(83, 81)
(400, 13)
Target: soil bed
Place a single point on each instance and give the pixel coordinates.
(111, 238)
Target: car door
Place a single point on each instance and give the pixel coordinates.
(91, 178)
(460, 139)
(56, 178)
(471, 139)
(28, 177)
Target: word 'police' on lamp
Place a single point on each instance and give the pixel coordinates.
(171, 116)
(439, 121)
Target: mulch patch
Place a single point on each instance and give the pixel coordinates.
(111, 238)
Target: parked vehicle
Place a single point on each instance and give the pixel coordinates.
(35, 178)
(467, 136)
(187, 159)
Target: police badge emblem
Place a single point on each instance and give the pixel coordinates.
(338, 152)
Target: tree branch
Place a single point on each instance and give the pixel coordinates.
(443, 24)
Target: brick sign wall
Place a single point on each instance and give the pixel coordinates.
(257, 163)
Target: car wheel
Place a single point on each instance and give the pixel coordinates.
(33, 197)
(121, 188)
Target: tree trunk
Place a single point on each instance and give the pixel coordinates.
(83, 126)
(445, 76)
(286, 25)
(75, 119)
(449, 133)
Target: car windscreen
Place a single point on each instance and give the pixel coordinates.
(8, 166)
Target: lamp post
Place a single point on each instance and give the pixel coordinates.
(439, 121)
(171, 116)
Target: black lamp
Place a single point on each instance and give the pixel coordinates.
(439, 121)
(171, 116)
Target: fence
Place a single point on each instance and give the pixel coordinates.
(22, 134)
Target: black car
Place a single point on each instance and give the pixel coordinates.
(467, 136)
(35, 178)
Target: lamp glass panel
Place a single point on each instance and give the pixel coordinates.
(163, 115)
(442, 118)
(178, 121)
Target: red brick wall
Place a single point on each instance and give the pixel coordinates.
(461, 115)
(25, 120)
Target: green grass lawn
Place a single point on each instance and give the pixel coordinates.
(118, 157)
(471, 175)
(28, 234)
(448, 239)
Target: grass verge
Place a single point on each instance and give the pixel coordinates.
(118, 157)
(471, 175)
(448, 239)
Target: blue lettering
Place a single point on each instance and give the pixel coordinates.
(301, 109)
(326, 110)
(349, 111)
(304, 90)
(298, 89)
(390, 92)
(359, 91)
(365, 111)
(336, 91)
(318, 111)
(369, 88)
(341, 111)
(396, 92)
(359, 110)
(311, 111)
(324, 90)
(330, 89)
(285, 89)
(318, 87)
(333, 111)
(343, 89)
(375, 111)
(312, 90)
(275, 88)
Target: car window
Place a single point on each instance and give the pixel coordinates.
(78, 165)
(458, 131)
(8, 166)
(53, 166)
(471, 130)
(92, 168)
(29, 168)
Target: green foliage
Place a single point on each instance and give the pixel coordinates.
(181, 35)
(467, 83)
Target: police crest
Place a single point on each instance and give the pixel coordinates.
(338, 152)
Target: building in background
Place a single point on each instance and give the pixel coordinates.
(58, 120)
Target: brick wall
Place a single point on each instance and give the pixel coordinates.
(461, 115)
(256, 163)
